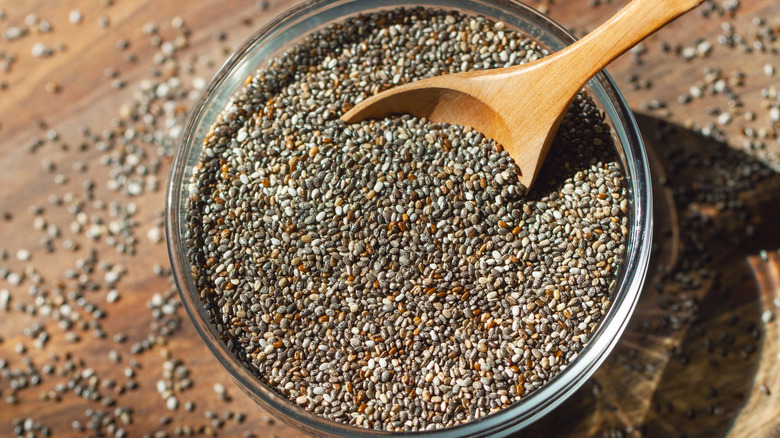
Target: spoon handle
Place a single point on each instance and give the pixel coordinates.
(628, 27)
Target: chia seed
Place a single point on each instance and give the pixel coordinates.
(394, 274)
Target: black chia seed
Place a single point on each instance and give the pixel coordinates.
(394, 274)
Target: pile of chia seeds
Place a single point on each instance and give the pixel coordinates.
(394, 274)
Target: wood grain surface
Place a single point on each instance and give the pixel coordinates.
(90, 326)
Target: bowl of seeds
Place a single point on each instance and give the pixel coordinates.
(393, 276)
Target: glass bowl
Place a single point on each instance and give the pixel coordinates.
(290, 28)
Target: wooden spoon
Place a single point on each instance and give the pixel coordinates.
(520, 107)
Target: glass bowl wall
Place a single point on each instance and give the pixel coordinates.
(289, 29)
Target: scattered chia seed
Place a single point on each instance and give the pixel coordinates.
(52, 87)
(14, 32)
(154, 235)
(394, 274)
(41, 50)
(172, 403)
(221, 391)
(44, 26)
(23, 255)
(75, 16)
(5, 299)
(31, 19)
(149, 28)
(14, 279)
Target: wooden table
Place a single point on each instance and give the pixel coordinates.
(81, 101)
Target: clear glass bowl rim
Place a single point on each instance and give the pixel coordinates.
(315, 13)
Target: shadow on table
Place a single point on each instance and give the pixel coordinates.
(686, 364)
